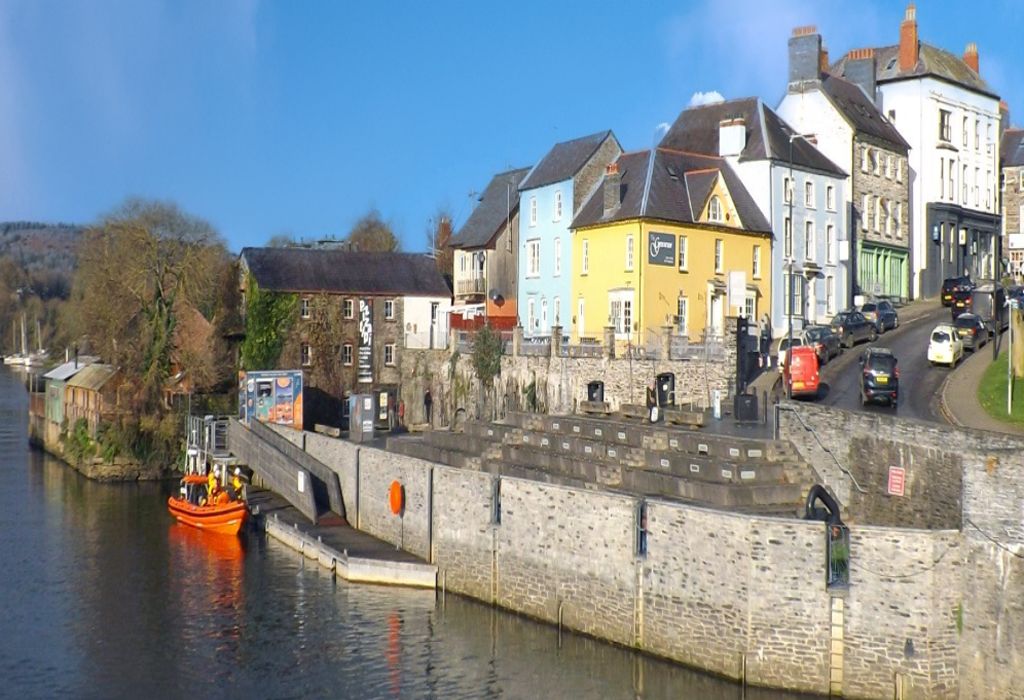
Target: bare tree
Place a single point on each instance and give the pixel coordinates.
(439, 235)
(371, 233)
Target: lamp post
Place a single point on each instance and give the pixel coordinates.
(790, 192)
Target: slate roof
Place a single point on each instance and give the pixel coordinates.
(92, 377)
(696, 130)
(860, 110)
(1011, 148)
(670, 188)
(931, 61)
(69, 369)
(345, 272)
(493, 211)
(564, 160)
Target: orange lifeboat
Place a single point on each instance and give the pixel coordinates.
(224, 516)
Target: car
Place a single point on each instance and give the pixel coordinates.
(784, 344)
(824, 340)
(953, 284)
(881, 313)
(961, 303)
(803, 376)
(945, 346)
(852, 328)
(973, 331)
(879, 377)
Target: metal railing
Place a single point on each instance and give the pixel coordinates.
(585, 348)
(710, 348)
(535, 347)
(475, 285)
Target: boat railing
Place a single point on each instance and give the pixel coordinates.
(207, 440)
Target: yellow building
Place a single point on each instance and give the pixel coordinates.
(656, 245)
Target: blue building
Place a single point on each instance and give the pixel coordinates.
(549, 198)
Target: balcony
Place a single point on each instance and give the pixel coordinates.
(471, 287)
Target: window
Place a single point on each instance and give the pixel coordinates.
(865, 159)
(304, 307)
(808, 194)
(952, 182)
(988, 188)
(629, 252)
(757, 262)
(944, 126)
(787, 236)
(533, 211)
(794, 293)
(556, 317)
(389, 309)
(586, 256)
(558, 257)
(830, 295)
(621, 312)
(718, 255)
(787, 190)
(809, 241)
(682, 313)
(544, 315)
(963, 183)
(682, 250)
(977, 135)
(830, 243)
(530, 315)
(899, 169)
(830, 198)
(942, 178)
(898, 223)
(888, 166)
(715, 209)
(878, 214)
(346, 354)
(350, 309)
(965, 132)
(580, 308)
(462, 261)
(389, 354)
(876, 162)
(887, 213)
(533, 258)
(864, 211)
(977, 186)
(307, 355)
(558, 205)
(749, 307)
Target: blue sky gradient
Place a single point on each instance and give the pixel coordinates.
(296, 118)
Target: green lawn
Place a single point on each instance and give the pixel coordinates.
(992, 393)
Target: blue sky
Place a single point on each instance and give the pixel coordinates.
(297, 117)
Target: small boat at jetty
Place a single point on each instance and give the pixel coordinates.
(190, 507)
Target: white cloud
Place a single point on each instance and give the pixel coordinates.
(705, 98)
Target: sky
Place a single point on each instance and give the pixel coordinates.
(299, 117)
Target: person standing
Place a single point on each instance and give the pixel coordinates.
(428, 402)
(391, 411)
(401, 413)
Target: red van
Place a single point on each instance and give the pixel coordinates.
(803, 371)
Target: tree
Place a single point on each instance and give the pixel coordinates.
(282, 240)
(371, 233)
(439, 235)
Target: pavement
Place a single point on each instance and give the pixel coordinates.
(959, 394)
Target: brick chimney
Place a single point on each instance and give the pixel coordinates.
(908, 39)
(612, 188)
(804, 55)
(823, 68)
(732, 136)
(860, 70)
(971, 57)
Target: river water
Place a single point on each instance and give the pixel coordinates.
(104, 596)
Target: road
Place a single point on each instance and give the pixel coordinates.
(919, 381)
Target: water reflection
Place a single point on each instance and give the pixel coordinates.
(106, 596)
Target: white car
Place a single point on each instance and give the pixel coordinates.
(945, 346)
(783, 346)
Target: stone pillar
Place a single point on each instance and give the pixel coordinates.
(453, 340)
(609, 341)
(517, 340)
(666, 340)
(556, 341)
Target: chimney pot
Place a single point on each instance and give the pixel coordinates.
(908, 40)
(971, 57)
(612, 169)
(824, 59)
(805, 30)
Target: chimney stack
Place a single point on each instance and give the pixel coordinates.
(908, 39)
(824, 59)
(860, 70)
(971, 57)
(612, 188)
(805, 57)
(732, 136)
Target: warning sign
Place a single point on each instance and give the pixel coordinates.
(897, 479)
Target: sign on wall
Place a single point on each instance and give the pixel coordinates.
(364, 371)
(271, 397)
(897, 480)
(661, 248)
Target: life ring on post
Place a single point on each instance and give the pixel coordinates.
(396, 497)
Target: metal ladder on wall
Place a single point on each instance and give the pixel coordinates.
(836, 644)
(638, 606)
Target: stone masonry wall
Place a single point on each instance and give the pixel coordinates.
(465, 543)
(341, 456)
(410, 531)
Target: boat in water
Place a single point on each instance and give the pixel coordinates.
(190, 507)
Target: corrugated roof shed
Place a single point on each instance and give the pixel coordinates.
(93, 377)
(564, 160)
(70, 369)
(498, 204)
(312, 270)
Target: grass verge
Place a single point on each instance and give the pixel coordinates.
(992, 394)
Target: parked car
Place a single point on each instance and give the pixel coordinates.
(972, 330)
(882, 314)
(852, 328)
(961, 303)
(988, 300)
(824, 340)
(945, 346)
(954, 284)
(803, 372)
(879, 377)
(784, 344)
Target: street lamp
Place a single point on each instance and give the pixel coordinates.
(791, 194)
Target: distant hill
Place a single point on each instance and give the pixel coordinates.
(36, 247)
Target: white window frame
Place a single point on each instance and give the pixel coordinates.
(830, 243)
(830, 295)
(620, 312)
(787, 190)
(719, 256)
(809, 242)
(533, 211)
(533, 258)
(544, 316)
(899, 169)
(346, 354)
(809, 194)
(898, 220)
(304, 308)
(586, 257)
(389, 309)
(558, 257)
(787, 238)
(389, 355)
(756, 262)
(750, 306)
(942, 178)
(830, 198)
(556, 312)
(864, 211)
(306, 352)
(684, 257)
(349, 309)
(715, 209)
(629, 253)
(682, 313)
(796, 299)
(888, 166)
(530, 311)
(865, 159)
(558, 205)
(878, 214)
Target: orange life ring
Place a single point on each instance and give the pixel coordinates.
(396, 497)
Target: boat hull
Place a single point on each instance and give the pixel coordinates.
(223, 518)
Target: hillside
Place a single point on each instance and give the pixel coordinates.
(36, 247)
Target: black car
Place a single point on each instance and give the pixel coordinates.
(882, 314)
(954, 284)
(824, 340)
(961, 303)
(972, 329)
(852, 327)
(879, 377)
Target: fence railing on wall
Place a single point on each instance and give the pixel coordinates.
(585, 348)
(711, 346)
(535, 347)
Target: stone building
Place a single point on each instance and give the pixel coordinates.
(1011, 164)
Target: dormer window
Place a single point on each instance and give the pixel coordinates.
(715, 209)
